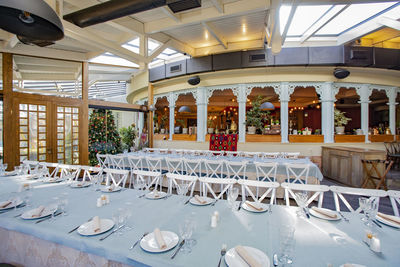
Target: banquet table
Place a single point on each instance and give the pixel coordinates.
(318, 242)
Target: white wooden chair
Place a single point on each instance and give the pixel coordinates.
(177, 181)
(297, 173)
(318, 190)
(339, 191)
(232, 154)
(69, 172)
(266, 171)
(175, 165)
(46, 172)
(271, 155)
(163, 151)
(251, 155)
(290, 155)
(394, 199)
(116, 177)
(31, 165)
(269, 187)
(135, 163)
(212, 153)
(104, 160)
(225, 185)
(117, 162)
(150, 150)
(153, 173)
(236, 169)
(214, 168)
(90, 172)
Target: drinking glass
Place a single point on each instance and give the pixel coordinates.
(64, 204)
(186, 231)
(286, 244)
(139, 185)
(56, 200)
(122, 217)
(233, 194)
(371, 211)
(301, 200)
(363, 204)
(27, 195)
(128, 207)
(182, 189)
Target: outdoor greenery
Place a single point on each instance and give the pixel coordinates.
(164, 121)
(256, 116)
(128, 136)
(340, 118)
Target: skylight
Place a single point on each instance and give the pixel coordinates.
(108, 58)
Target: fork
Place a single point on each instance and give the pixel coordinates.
(223, 252)
(213, 204)
(344, 218)
(134, 245)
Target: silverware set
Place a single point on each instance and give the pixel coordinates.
(134, 245)
(213, 204)
(79, 226)
(178, 249)
(49, 217)
(187, 201)
(112, 232)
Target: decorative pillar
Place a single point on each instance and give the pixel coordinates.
(201, 102)
(364, 91)
(151, 113)
(241, 95)
(327, 96)
(284, 97)
(392, 94)
(171, 100)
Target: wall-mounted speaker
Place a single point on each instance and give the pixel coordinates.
(341, 73)
(195, 80)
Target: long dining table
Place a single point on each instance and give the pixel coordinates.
(317, 241)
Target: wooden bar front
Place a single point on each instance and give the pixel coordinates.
(343, 164)
(340, 138)
(306, 138)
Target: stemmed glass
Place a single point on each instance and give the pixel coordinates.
(301, 200)
(186, 231)
(139, 185)
(56, 200)
(371, 210)
(233, 194)
(27, 194)
(64, 204)
(182, 189)
(362, 201)
(286, 244)
(128, 214)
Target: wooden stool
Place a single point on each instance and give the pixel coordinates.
(369, 173)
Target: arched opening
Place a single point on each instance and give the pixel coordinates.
(185, 115)
(161, 116)
(222, 112)
(378, 113)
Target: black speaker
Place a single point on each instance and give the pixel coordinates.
(194, 80)
(341, 73)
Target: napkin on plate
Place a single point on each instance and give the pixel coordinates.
(111, 188)
(5, 204)
(328, 213)
(246, 256)
(159, 239)
(200, 199)
(390, 218)
(254, 205)
(38, 211)
(96, 224)
(156, 194)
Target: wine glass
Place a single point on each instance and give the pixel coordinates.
(371, 211)
(186, 231)
(233, 194)
(128, 209)
(363, 204)
(286, 243)
(301, 200)
(182, 189)
(64, 204)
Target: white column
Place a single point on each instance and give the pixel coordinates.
(392, 94)
(284, 98)
(241, 99)
(171, 100)
(201, 103)
(327, 111)
(141, 122)
(364, 92)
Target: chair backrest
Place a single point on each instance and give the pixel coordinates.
(390, 147)
(70, 172)
(116, 177)
(136, 162)
(236, 169)
(212, 153)
(150, 150)
(177, 181)
(117, 162)
(154, 164)
(266, 171)
(163, 151)
(271, 155)
(269, 187)
(394, 199)
(47, 173)
(290, 155)
(103, 160)
(232, 154)
(90, 172)
(31, 165)
(207, 184)
(297, 173)
(175, 165)
(251, 155)
(318, 190)
(214, 168)
(339, 191)
(192, 167)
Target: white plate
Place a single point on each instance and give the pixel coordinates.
(233, 259)
(80, 184)
(322, 216)
(149, 243)
(28, 176)
(10, 173)
(251, 209)
(387, 222)
(87, 229)
(194, 201)
(52, 180)
(106, 189)
(354, 265)
(160, 195)
(48, 210)
(16, 202)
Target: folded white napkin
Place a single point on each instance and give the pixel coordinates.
(5, 204)
(38, 211)
(328, 213)
(96, 224)
(159, 238)
(156, 194)
(200, 199)
(254, 205)
(111, 188)
(390, 218)
(246, 256)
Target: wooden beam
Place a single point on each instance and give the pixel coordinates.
(151, 113)
(159, 50)
(9, 137)
(218, 5)
(215, 33)
(237, 46)
(167, 11)
(84, 122)
(176, 44)
(113, 105)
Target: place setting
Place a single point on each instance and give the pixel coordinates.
(241, 256)
(254, 206)
(10, 204)
(40, 212)
(155, 194)
(79, 184)
(200, 200)
(111, 188)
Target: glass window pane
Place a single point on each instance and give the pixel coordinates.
(76, 129)
(75, 110)
(23, 121)
(60, 155)
(76, 117)
(76, 161)
(76, 155)
(42, 143)
(67, 110)
(22, 158)
(23, 137)
(23, 107)
(23, 151)
(42, 115)
(42, 136)
(60, 142)
(76, 148)
(60, 129)
(60, 109)
(42, 157)
(42, 129)
(23, 129)
(33, 107)
(60, 115)
(60, 136)
(60, 149)
(75, 136)
(75, 142)
(42, 122)
(42, 108)
(23, 114)
(42, 150)
(60, 161)
(75, 123)
(60, 122)
(23, 144)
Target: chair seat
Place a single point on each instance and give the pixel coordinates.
(147, 173)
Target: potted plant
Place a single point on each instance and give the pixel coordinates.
(340, 121)
(210, 125)
(163, 123)
(255, 117)
(182, 122)
(128, 135)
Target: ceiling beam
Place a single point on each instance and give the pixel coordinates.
(320, 23)
(159, 50)
(275, 41)
(391, 23)
(176, 44)
(289, 21)
(167, 11)
(11, 42)
(218, 5)
(215, 33)
(206, 14)
(236, 46)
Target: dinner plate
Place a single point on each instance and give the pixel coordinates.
(86, 229)
(80, 184)
(48, 210)
(251, 209)
(14, 203)
(28, 176)
(149, 242)
(152, 196)
(322, 216)
(194, 201)
(387, 222)
(233, 259)
(10, 173)
(52, 180)
(106, 189)
(353, 265)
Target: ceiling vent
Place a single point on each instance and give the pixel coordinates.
(183, 5)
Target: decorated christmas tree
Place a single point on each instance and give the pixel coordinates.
(103, 135)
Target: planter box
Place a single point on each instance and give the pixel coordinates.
(263, 138)
(339, 138)
(184, 137)
(381, 138)
(306, 138)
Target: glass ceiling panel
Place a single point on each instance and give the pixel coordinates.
(284, 12)
(304, 17)
(108, 58)
(353, 15)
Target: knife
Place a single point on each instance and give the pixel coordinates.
(179, 248)
(187, 201)
(113, 231)
(10, 209)
(240, 205)
(305, 211)
(78, 226)
(380, 226)
(275, 259)
(47, 218)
